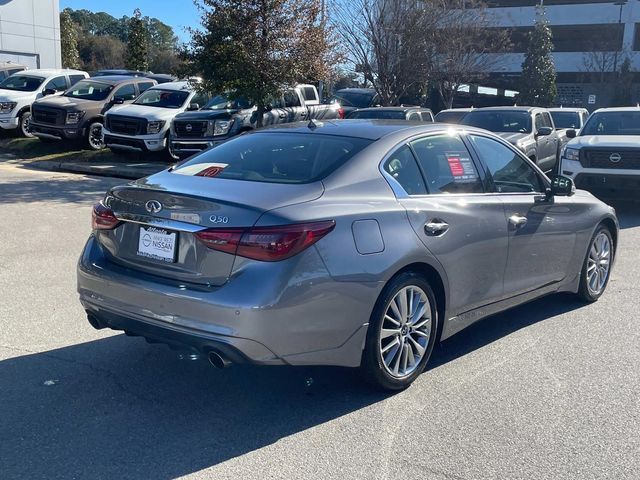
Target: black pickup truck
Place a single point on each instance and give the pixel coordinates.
(221, 119)
(530, 129)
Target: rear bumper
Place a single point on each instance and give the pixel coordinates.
(56, 133)
(263, 316)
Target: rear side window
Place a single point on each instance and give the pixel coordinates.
(447, 165)
(309, 93)
(402, 166)
(126, 92)
(75, 79)
(142, 86)
(275, 157)
(59, 84)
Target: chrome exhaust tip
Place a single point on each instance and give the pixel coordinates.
(95, 323)
(218, 360)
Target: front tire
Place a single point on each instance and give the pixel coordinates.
(25, 125)
(596, 269)
(95, 138)
(402, 333)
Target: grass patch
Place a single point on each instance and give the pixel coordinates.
(35, 149)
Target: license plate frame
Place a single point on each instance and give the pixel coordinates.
(157, 244)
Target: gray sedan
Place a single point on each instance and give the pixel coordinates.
(357, 243)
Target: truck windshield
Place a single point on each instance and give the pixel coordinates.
(22, 83)
(613, 123)
(566, 119)
(89, 90)
(499, 121)
(220, 102)
(353, 99)
(156, 97)
(274, 157)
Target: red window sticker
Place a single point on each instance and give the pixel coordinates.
(455, 165)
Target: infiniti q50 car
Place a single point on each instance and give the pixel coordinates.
(357, 243)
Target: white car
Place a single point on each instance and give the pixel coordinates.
(20, 90)
(604, 156)
(143, 126)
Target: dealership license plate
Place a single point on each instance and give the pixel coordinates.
(157, 244)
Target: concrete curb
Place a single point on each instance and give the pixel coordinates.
(132, 172)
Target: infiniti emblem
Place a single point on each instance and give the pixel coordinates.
(153, 206)
(615, 157)
(189, 127)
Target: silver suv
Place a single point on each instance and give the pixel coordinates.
(604, 156)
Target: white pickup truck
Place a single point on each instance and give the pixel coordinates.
(143, 126)
(20, 90)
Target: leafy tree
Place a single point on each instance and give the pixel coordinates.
(138, 43)
(538, 85)
(99, 52)
(69, 41)
(253, 48)
(622, 96)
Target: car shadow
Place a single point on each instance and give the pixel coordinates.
(628, 212)
(117, 408)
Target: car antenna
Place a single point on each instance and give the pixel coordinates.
(313, 123)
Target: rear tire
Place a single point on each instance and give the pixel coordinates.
(596, 269)
(25, 122)
(402, 333)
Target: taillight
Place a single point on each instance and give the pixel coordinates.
(269, 244)
(341, 114)
(102, 218)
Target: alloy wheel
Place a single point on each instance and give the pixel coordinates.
(405, 331)
(598, 263)
(96, 141)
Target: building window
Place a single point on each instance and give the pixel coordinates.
(575, 38)
(533, 3)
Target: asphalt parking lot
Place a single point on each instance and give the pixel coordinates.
(550, 390)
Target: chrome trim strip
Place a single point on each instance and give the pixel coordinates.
(159, 222)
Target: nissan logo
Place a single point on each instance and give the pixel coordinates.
(188, 128)
(615, 157)
(153, 206)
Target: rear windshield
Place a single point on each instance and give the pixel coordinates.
(379, 114)
(353, 99)
(450, 117)
(566, 119)
(22, 83)
(156, 97)
(510, 122)
(275, 157)
(613, 123)
(89, 90)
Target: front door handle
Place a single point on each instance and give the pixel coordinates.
(517, 220)
(436, 227)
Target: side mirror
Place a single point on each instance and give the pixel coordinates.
(571, 133)
(48, 91)
(544, 131)
(118, 101)
(562, 186)
(193, 106)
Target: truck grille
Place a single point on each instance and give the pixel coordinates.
(610, 158)
(48, 115)
(190, 129)
(126, 125)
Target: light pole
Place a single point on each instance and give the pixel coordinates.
(620, 3)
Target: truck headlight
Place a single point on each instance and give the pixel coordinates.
(7, 107)
(74, 118)
(571, 154)
(221, 127)
(155, 126)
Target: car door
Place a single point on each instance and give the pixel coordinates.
(460, 224)
(541, 232)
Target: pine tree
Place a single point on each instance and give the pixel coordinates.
(137, 45)
(69, 41)
(538, 85)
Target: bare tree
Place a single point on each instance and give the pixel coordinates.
(468, 47)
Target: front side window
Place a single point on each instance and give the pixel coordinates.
(59, 84)
(612, 123)
(499, 121)
(126, 92)
(156, 97)
(201, 99)
(89, 90)
(402, 166)
(22, 83)
(273, 157)
(511, 173)
(447, 165)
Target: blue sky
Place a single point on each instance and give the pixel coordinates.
(177, 13)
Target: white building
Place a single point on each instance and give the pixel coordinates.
(30, 33)
(591, 38)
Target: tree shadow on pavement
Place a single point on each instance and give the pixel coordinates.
(116, 408)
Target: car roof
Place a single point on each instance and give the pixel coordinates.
(11, 65)
(356, 90)
(113, 79)
(567, 109)
(516, 108)
(370, 129)
(120, 71)
(457, 110)
(50, 72)
(188, 86)
(618, 109)
(390, 109)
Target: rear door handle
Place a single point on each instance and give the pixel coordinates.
(517, 220)
(436, 227)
